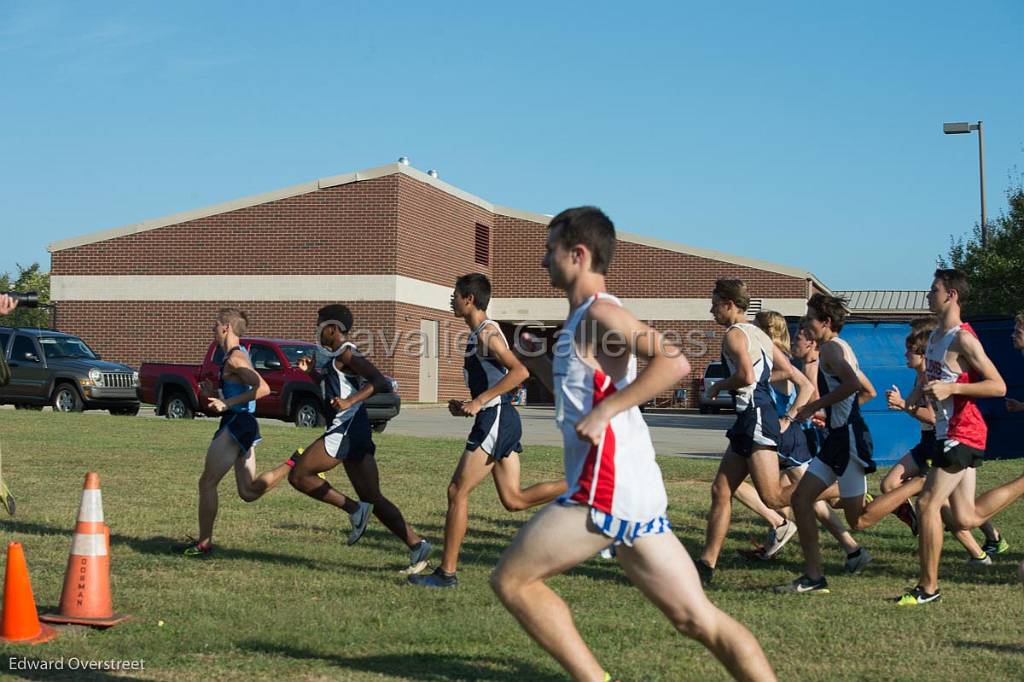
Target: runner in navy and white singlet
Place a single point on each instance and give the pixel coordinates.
(492, 372)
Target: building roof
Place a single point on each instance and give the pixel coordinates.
(396, 168)
(885, 301)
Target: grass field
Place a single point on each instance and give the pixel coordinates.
(284, 597)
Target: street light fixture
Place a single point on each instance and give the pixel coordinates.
(965, 127)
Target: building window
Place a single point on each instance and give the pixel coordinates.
(482, 247)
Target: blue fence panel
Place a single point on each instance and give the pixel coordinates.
(880, 346)
(1005, 430)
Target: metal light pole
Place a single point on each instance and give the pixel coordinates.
(965, 127)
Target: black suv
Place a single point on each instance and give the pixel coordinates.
(53, 368)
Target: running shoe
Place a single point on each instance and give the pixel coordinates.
(706, 572)
(192, 549)
(439, 579)
(359, 519)
(997, 546)
(756, 554)
(803, 585)
(778, 537)
(918, 596)
(980, 562)
(906, 513)
(856, 561)
(418, 557)
(608, 553)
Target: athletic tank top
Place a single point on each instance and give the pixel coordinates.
(481, 371)
(760, 348)
(337, 384)
(957, 417)
(229, 389)
(847, 410)
(783, 401)
(618, 476)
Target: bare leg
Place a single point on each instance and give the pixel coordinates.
(473, 468)
(901, 472)
(806, 494)
(882, 506)
(764, 473)
(365, 479)
(663, 571)
(964, 537)
(731, 472)
(938, 487)
(303, 477)
(252, 487)
(553, 541)
(970, 512)
(220, 457)
(515, 498)
(748, 497)
(826, 516)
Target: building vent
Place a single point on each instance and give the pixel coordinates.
(754, 307)
(482, 246)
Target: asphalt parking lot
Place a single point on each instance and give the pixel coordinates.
(687, 434)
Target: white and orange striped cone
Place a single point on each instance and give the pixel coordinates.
(85, 599)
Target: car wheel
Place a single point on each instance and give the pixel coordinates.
(66, 399)
(176, 406)
(307, 414)
(378, 427)
(704, 409)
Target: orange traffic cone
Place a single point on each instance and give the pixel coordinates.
(85, 599)
(20, 621)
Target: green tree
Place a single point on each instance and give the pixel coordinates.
(29, 279)
(995, 271)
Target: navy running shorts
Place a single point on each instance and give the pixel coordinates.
(351, 439)
(756, 428)
(243, 429)
(846, 442)
(497, 431)
(793, 450)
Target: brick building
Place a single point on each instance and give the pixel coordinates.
(389, 242)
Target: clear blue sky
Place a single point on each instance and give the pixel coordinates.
(806, 133)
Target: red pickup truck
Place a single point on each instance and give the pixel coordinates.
(174, 388)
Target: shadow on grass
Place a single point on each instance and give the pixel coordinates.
(9, 664)
(992, 646)
(428, 666)
(162, 545)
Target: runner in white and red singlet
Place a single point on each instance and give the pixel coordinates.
(958, 373)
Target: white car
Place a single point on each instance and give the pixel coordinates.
(713, 373)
